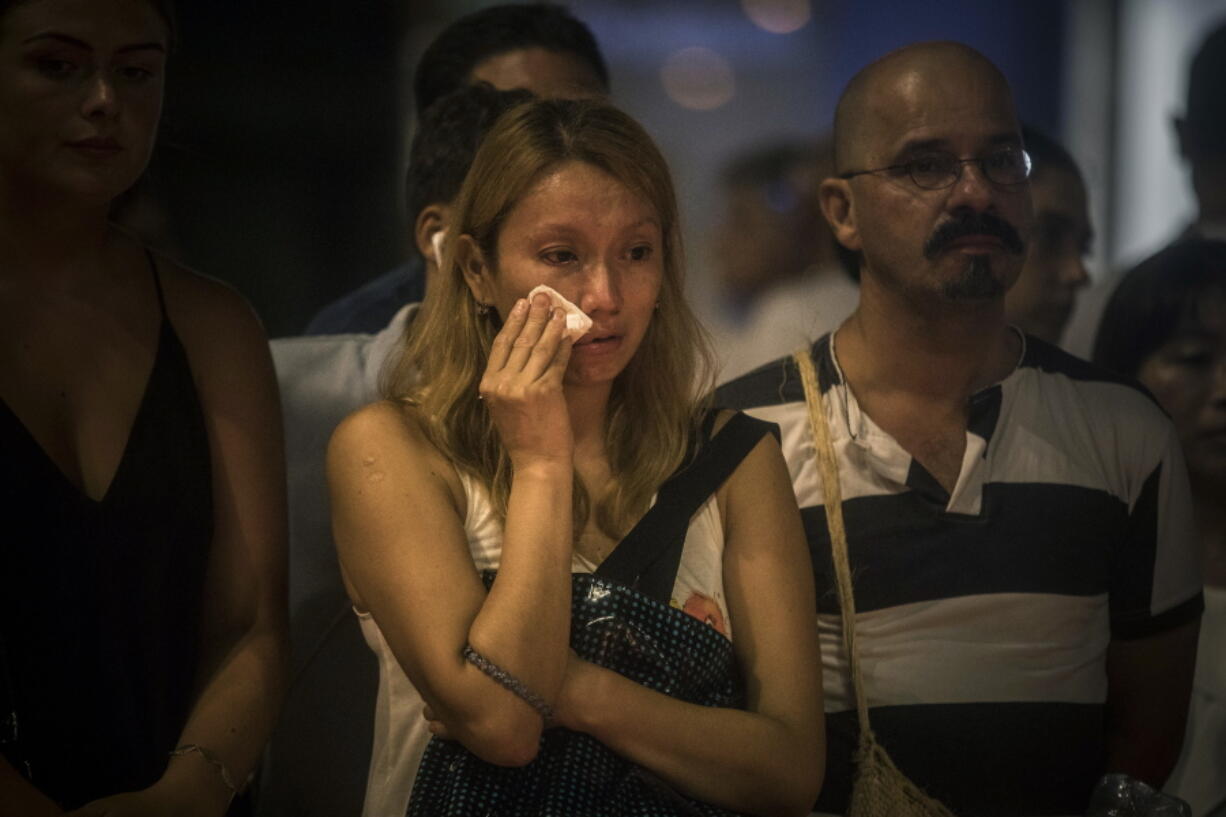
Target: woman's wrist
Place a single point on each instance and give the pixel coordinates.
(579, 696)
(547, 469)
(193, 779)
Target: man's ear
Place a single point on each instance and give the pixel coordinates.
(478, 273)
(840, 212)
(431, 220)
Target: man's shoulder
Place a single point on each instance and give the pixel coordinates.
(771, 384)
(1105, 390)
(369, 307)
(319, 368)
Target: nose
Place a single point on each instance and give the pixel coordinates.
(972, 190)
(1074, 274)
(601, 289)
(101, 101)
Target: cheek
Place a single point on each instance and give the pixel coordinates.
(645, 289)
(1177, 393)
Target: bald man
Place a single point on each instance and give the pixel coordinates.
(1026, 588)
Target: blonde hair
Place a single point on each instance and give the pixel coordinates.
(656, 403)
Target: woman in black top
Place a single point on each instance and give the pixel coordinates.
(142, 621)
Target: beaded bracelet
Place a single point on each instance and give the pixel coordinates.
(509, 681)
(211, 759)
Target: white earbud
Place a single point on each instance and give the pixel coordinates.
(436, 241)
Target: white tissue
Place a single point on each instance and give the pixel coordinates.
(577, 323)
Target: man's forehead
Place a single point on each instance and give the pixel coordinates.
(940, 109)
(545, 72)
(926, 92)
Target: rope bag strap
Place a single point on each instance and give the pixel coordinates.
(880, 789)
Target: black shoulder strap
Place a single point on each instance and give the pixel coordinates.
(648, 557)
(157, 279)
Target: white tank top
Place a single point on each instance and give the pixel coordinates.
(400, 734)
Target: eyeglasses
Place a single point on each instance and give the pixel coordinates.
(937, 171)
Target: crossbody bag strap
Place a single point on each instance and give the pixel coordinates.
(648, 557)
(828, 468)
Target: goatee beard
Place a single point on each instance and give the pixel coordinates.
(976, 283)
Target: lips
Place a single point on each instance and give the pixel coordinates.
(594, 340)
(97, 144)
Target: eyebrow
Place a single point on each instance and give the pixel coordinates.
(563, 227)
(78, 43)
(940, 144)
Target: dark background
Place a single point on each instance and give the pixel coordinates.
(280, 163)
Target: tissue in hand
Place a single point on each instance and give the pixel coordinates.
(577, 323)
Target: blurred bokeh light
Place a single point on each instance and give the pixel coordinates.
(698, 78)
(778, 16)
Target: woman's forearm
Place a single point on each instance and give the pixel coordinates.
(19, 798)
(523, 625)
(741, 760)
(233, 716)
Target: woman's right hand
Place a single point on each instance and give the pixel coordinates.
(522, 384)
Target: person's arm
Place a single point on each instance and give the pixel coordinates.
(769, 759)
(1155, 608)
(1149, 683)
(19, 798)
(244, 643)
(398, 523)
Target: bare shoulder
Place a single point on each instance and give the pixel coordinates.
(227, 350)
(761, 480)
(210, 315)
(384, 421)
(759, 475)
(387, 437)
(765, 453)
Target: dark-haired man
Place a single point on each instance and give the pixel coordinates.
(317, 763)
(1201, 133)
(1026, 589)
(1042, 299)
(537, 46)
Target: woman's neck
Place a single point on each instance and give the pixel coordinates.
(589, 407)
(47, 238)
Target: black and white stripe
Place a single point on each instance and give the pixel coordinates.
(984, 614)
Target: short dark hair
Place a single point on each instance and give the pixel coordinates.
(1155, 298)
(1046, 152)
(447, 140)
(1206, 121)
(451, 58)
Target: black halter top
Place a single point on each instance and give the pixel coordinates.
(100, 601)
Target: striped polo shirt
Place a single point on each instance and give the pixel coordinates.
(984, 616)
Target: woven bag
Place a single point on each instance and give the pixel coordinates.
(879, 788)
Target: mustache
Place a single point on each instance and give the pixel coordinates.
(973, 224)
